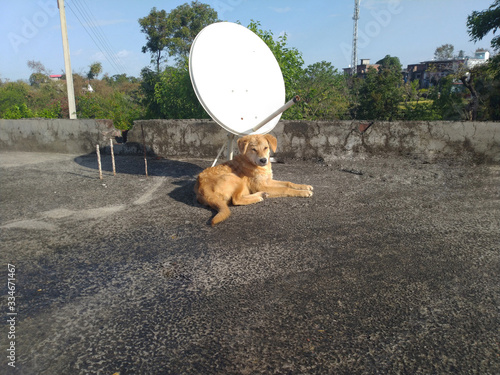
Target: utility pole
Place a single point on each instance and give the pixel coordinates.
(67, 61)
(355, 17)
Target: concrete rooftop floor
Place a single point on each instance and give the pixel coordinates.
(392, 267)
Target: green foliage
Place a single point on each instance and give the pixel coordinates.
(444, 52)
(53, 110)
(18, 112)
(378, 94)
(186, 21)
(22, 111)
(175, 97)
(173, 33)
(95, 70)
(324, 93)
(12, 94)
(157, 29)
(118, 107)
(480, 23)
(36, 79)
(149, 79)
(381, 92)
(448, 100)
(486, 79)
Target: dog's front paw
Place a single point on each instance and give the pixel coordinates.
(309, 187)
(306, 193)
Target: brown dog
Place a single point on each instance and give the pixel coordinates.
(246, 179)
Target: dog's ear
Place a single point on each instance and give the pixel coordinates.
(242, 145)
(273, 142)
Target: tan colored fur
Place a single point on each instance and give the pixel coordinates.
(246, 179)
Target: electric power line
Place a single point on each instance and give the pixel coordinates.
(100, 33)
(99, 37)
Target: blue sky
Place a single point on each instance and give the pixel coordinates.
(319, 29)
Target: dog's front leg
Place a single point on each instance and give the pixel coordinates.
(287, 189)
(242, 200)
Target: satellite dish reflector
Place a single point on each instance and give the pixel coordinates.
(236, 78)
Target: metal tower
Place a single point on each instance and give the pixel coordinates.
(355, 17)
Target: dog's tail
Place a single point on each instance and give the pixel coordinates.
(223, 213)
(209, 199)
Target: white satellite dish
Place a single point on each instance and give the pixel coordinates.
(237, 80)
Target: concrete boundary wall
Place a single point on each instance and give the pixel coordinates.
(328, 140)
(54, 135)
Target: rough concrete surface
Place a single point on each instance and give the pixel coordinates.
(392, 267)
(326, 140)
(330, 140)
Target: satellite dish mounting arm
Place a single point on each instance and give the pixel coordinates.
(280, 110)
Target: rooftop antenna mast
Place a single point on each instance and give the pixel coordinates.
(355, 17)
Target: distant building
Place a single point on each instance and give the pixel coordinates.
(55, 77)
(480, 57)
(362, 68)
(430, 72)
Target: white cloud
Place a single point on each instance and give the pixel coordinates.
(282, 10)
(123, 53)
(98, 56)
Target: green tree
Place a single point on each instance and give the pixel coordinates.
(186, 21)
(13, 94)
(381, 92)
(415, 106)
(149, 79)
(171, 34)
(324, 93)
(94, 71)
(483, 84)
(36, 79)
(444, 52)
(40, 73)
(157, 30)
(174, 96)
(117, 106)
(448, 100)
(480, 23)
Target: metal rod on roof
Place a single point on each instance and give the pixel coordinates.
(282, 109)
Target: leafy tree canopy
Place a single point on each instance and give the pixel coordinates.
(171, 34)
(186, 21)
(95, 70)
(390, 62)
(444, 52)
(480, 23)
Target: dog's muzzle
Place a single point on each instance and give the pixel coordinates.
(263, 161)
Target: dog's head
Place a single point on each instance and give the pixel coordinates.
(257, 148)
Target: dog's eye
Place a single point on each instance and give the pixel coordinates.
(254, 149)
(265, 148)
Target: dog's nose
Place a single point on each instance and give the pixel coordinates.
(263, 161)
